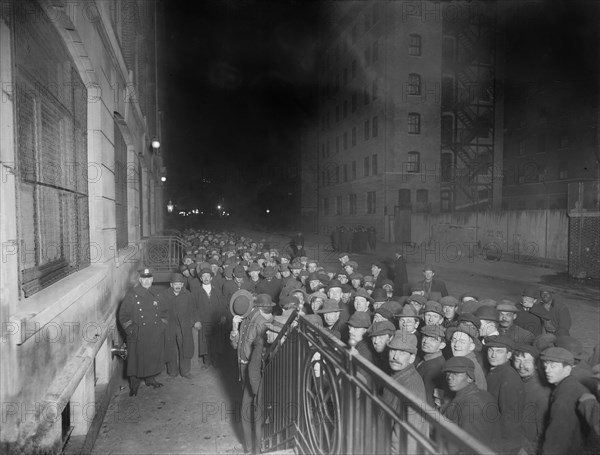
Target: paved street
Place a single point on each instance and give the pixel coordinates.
(198, 416)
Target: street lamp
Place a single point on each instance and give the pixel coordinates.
(268, 211)
(155, 144)
(163, 179)
(170, 207)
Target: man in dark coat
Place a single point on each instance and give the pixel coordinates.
(560, 317)
(507, 314)
(431, 285)
(564, 431)
(212, 312)
(472, 409)
(505, 384)
(183, 317)
(433, 341)
(400, 274)
(144, 320)
(270, 285)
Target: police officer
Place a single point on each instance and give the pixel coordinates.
(145, 321)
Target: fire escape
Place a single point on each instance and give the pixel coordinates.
(468, 111)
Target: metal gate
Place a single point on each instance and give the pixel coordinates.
(584, 230)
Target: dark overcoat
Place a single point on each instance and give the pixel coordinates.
(141, 309)
(182, 317)
(210, 310)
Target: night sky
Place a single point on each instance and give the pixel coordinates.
(239, 81)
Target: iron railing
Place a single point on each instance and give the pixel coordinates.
(323, 398)
(163, 254)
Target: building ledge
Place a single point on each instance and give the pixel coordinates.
(36, 311)
(583, 214)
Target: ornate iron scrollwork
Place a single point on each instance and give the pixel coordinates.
(321, 405)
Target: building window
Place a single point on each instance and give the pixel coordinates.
(367, 166)
(422, 201)
(327, 150)
(326, 206)
(345, 173)
(337, 144)
(447, 167)
(414, 84)
(338, 205)
(353, 170)
(353, 69)
(354, 34)
(375, 125)
(404, 199)
(345, 76)
(337, 113)
(414, 123)
(371, 202)
(366, 95)
(121, 176)
(375, 51)
(414, 162)
(414, 45)
(352, 204)
(337, 83)
(345, 108)
(445, 200)
(374, 169)
(375, 89)
(367, 130)
(522, 148)
(345, 140)
(353, 136)
(563, 170)
(51, 141)
(354, 96)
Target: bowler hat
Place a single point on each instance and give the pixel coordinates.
(356, 276)
(317, 295)
(428, 267)
(408, 311)
(487, 313)
(289, 302)
(240, 303)
(378, 264)
(364, 294)
(470, 317)
(254, 267)
(403, 341)
(530, 291)
(387, 282)
(379, 295)
(239, 271)
(460, 365)
(558, 355)
(360, 319)
(263, 301)
(205, 270)
(334, 284)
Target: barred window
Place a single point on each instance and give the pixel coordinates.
(414, 162)
(52, 167)
(121, 176)
(414, 123)
(414, 84)
(352, 204)
(371, 202)
(414, 45)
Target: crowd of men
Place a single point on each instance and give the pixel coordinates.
(508, 372)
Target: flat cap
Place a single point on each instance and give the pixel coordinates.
(408, 311)
(417, 298)
(460, 365)
(381, 328)
(403, 341)
(470, 317)
(205, 270)
(389, 309)
(289, 301)
(239, 271)
(254, 267)
(295, 265)
(449, 301)
(433, 307)
(434, 331)
(364, 294)
(507, 305)
(558, 355)
(178, 278)
(360, 319)
(387, 282)
(499, 341)
(379, 295)
(343, 254)
(571, 344)
(314, 319)
(269, 271)
(378, 264)
(334, 284)
(356, 276)
(528, 348)
(471, 331)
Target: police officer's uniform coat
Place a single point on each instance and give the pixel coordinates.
(141, 308)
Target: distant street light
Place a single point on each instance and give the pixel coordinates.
(268, 211)
(218, 207)
(170, 207)
(155, 144)
(163, 179)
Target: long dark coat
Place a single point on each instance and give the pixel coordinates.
(182, 317)
(141, 308)
(210, 310)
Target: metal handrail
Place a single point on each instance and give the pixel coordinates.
(323, 397)
(162, 253)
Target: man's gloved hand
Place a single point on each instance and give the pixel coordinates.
(132, 332)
